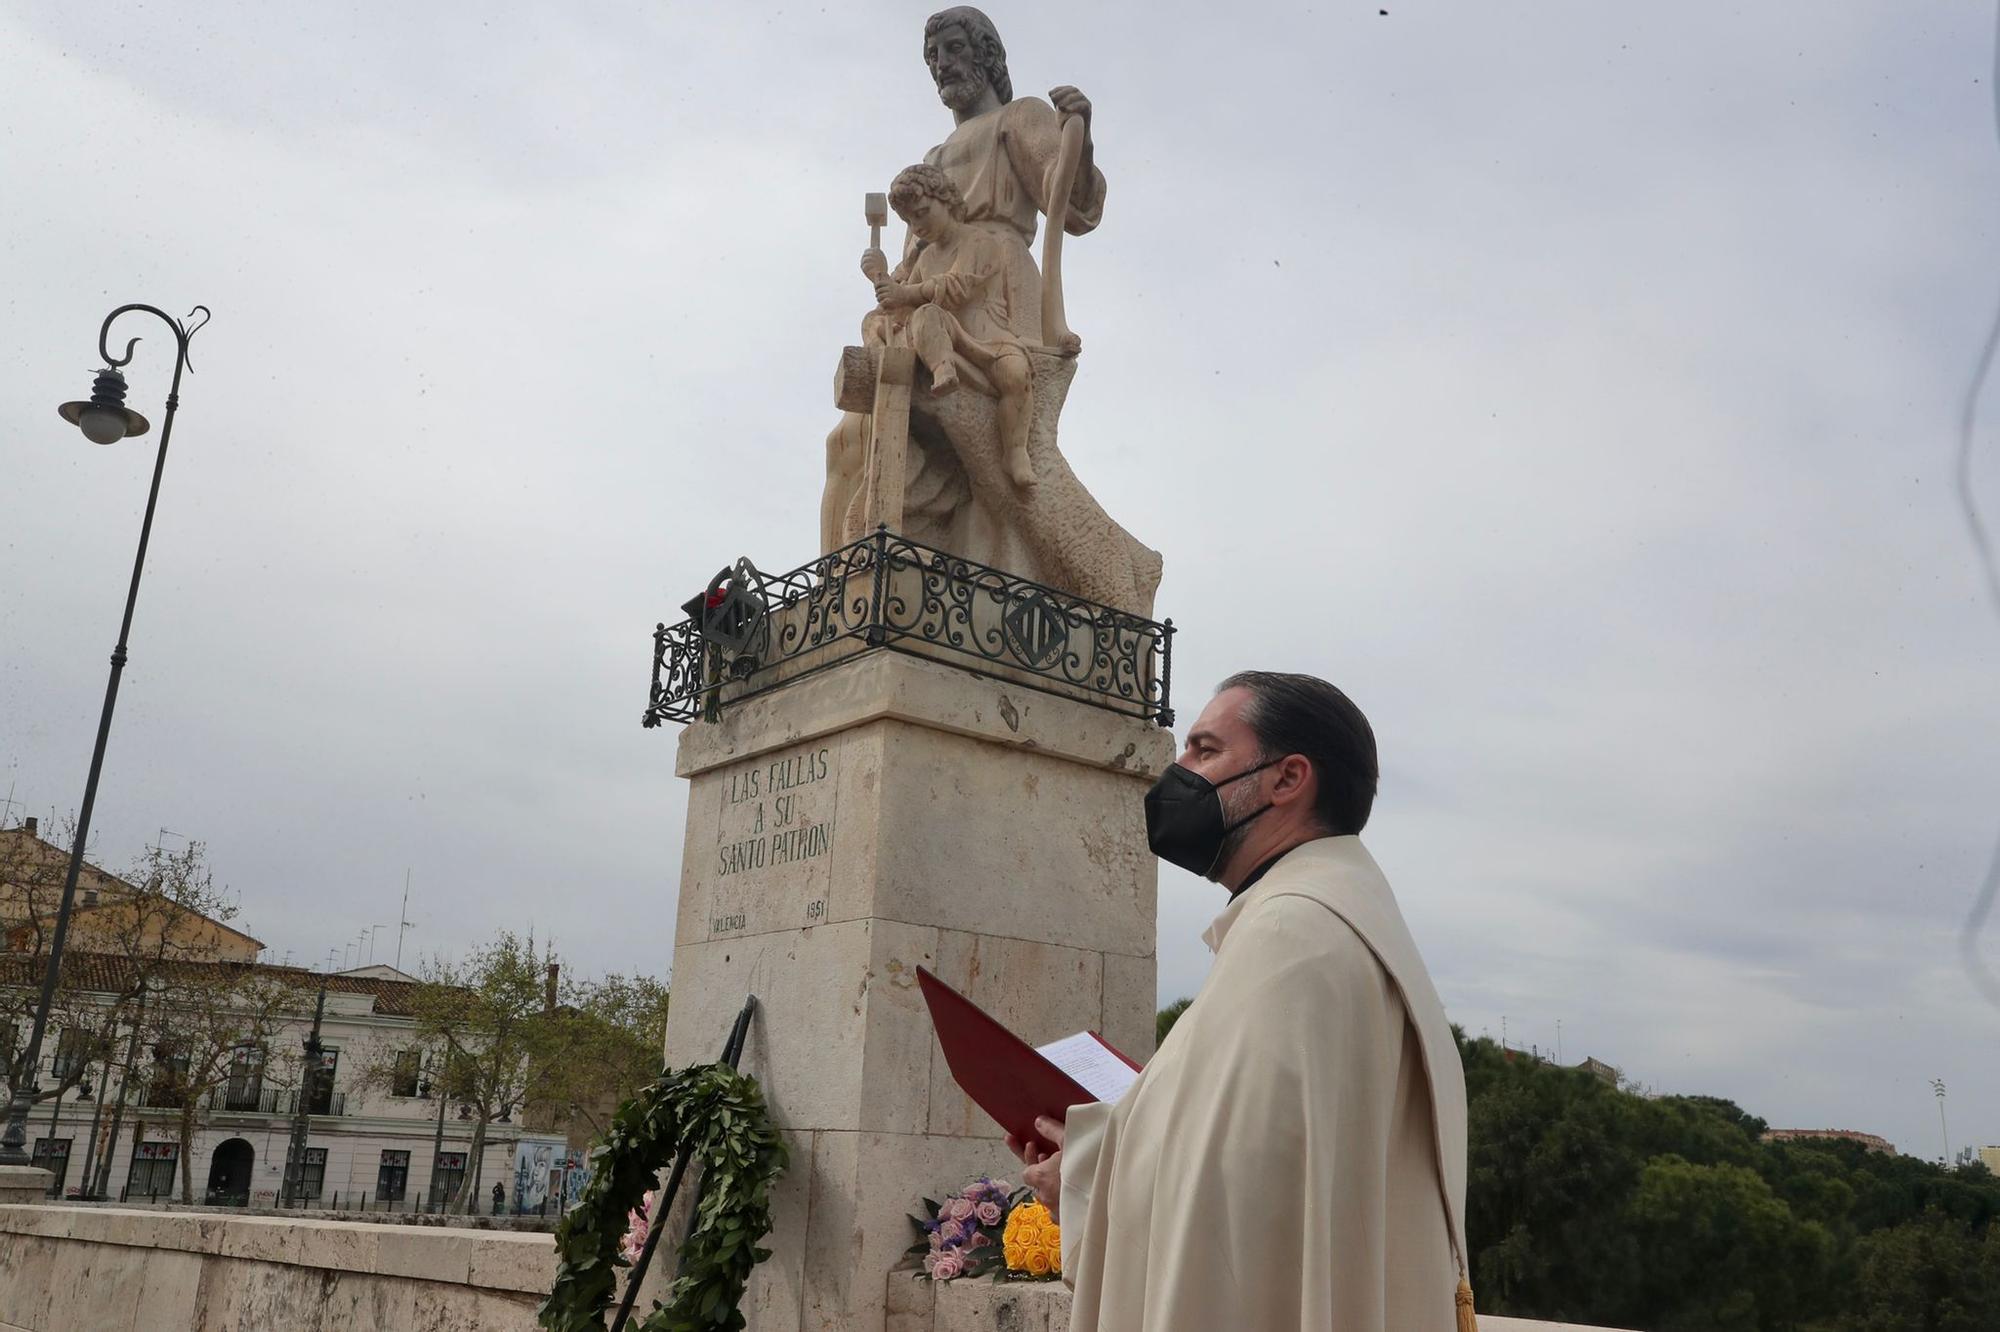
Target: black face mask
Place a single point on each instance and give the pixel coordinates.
(1185, 824)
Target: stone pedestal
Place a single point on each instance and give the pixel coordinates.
(883, 814)
(24, 1184)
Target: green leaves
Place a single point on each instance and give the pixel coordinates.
(718, 1114)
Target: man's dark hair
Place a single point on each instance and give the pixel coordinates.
(985, 39)
(1303, 714)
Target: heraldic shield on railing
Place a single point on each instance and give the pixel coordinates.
(749, 632)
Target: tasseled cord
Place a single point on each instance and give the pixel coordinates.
(1466, 1322)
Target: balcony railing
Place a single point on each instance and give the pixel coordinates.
(228, 1100)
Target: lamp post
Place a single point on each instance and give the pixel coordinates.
(104, 419)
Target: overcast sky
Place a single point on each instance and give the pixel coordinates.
(1575, 384)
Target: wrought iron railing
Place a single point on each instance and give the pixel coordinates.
(270, 1101)
(751, 631)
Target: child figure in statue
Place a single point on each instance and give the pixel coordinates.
(950, 300)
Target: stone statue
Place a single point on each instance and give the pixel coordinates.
(982, 475)
(953, 300)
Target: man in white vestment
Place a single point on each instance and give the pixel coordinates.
(1293, 1157)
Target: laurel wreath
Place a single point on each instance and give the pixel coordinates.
(720, 1114)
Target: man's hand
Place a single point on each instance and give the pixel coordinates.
(1044, 1168)
(1069, 102)
(874, 265)
(897, 295)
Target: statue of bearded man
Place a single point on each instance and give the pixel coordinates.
(1002, 150)
(1000, 156)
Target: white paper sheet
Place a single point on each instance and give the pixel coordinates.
(1092, 1064)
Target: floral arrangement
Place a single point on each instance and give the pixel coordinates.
(986, 1228)
(1032, 1242)
(637, 1227)
(718, 1116)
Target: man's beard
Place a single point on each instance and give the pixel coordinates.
(960, 91)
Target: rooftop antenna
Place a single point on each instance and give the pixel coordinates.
(371, 940)
(164, 834)
(7, 806)
(288, 958)
(403, 919)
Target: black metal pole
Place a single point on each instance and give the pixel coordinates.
(102, 1187)
(12, 1151)
(437, 1143)
(732, 1051)
(295, 1157)
(96, 1121)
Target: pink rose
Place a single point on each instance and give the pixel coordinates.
(937, 1241)
(930, 1264)
(958, 1209)
(988, 1213)
(948, 1265)
(952, 1231)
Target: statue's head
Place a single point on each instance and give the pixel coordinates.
(919, 192)
(963, 50)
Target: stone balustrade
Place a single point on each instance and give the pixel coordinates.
(115, 1269)
(125, 1270)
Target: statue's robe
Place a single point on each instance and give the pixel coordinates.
(1001, 162)
(1294, 1154)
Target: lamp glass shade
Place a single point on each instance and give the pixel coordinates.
(103, 423)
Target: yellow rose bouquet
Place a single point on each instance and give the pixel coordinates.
(1031, 1242)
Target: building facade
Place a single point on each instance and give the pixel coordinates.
(372, 1142)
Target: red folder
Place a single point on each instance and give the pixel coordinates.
(1002, 1073)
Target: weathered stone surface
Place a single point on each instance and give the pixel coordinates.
(991, 834)
(981, 1306)
(24, 1184)
(130, 1270)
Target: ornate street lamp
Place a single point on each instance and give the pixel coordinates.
(104, 419)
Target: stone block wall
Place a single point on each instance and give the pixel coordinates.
(63, 1269)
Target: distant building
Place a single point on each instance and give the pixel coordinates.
(383, 1146)
(1868, 1140)
(105, 916)
(1991, 1156)
(367, 1146)
(1600, 1070)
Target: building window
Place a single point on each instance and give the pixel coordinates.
(152, 1173)
(246, 1078)
(393, 1178)
(450, 1174)
(312, 1175)
(409, 1063)
(52, 1154)
(319, 1086)
(72, 1054)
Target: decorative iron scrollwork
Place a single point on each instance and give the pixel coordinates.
(748, 631)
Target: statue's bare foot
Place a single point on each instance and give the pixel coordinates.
(1020, 470)
(944, 381)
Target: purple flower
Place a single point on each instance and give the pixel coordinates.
(988, 1213)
